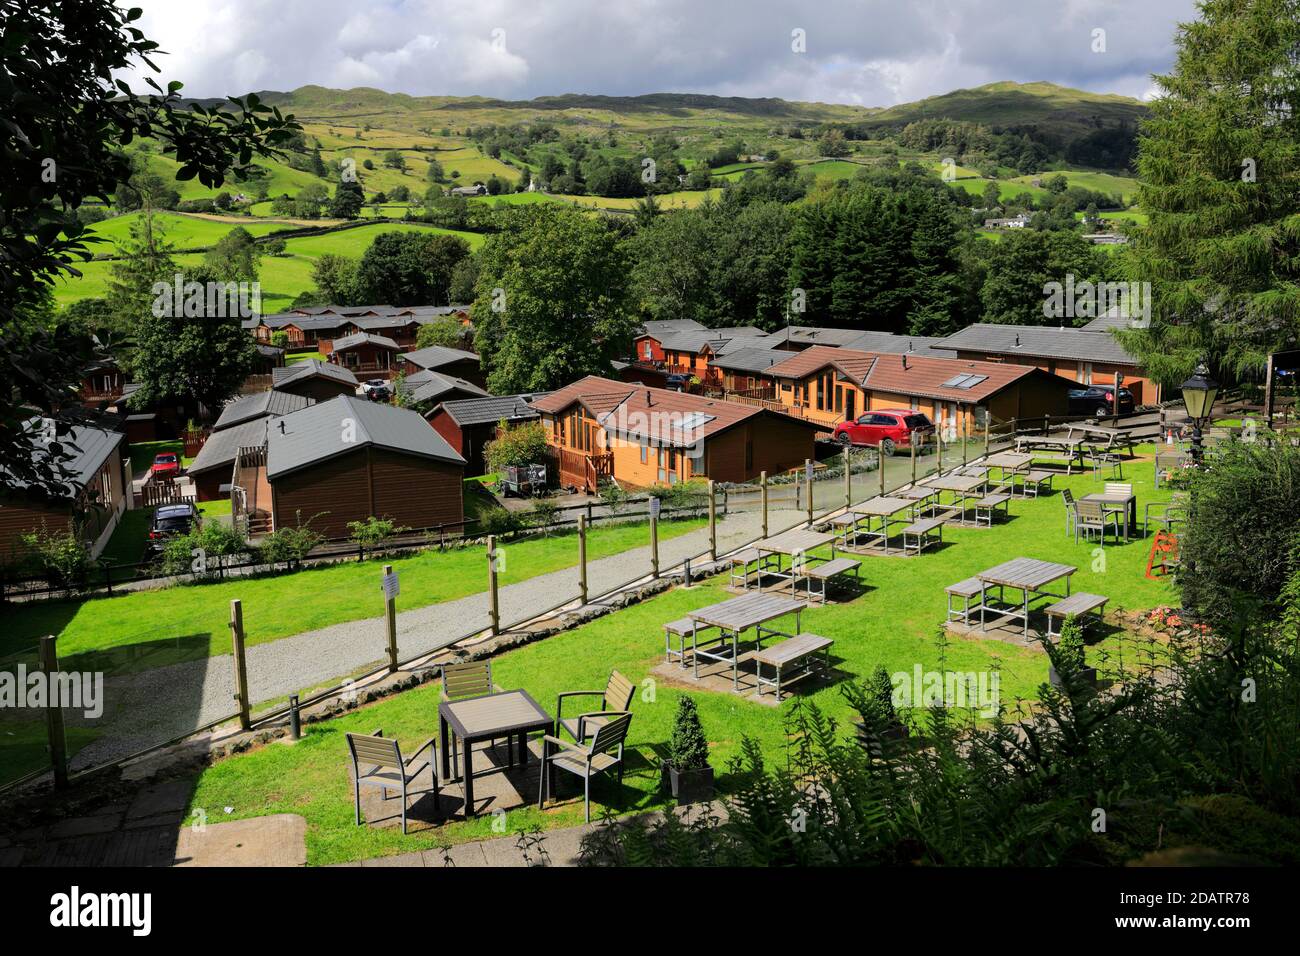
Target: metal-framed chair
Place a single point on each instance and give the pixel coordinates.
(616, 698)
(1090, 516)
(388, 770)
(1164, 514)
(585, 761)
(1071, 512)
(468, 679)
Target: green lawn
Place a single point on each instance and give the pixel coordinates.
(182, 231)
(895, 623)
(126, 546)
(190, 621)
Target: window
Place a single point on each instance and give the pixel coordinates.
(697, 458)
(964, 381)
(648, 351)
(660, 474)
(645, 454)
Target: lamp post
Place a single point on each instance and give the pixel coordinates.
(1199, 393)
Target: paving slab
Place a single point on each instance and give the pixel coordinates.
(172, 796)
(85, 826)
(279, 840)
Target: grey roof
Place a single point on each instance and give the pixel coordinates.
(661, 327)
(436, 356)
(344, 424)
(1114, 319)
(365, 338)
(816, 336)
(750, 359)
(426, 386)
(1040, 341)
(255, 406)
(890, 344)
(717, 339)
(312, 368)
(494, 408)
(84, 449)
(221, 447)
(362, 316)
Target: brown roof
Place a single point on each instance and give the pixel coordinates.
(921, 375)
(657, 416)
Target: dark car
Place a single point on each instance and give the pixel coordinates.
(1099, 401)
(889, 428)
(171, 521)
(677, 383)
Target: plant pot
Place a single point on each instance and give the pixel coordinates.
(688, 786)
(1087, 674)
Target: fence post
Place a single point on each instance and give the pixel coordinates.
(762, 488)
(713, 522)
(808, 473)
(913, 444)
(880, 454)
(241, 663)
(986, 432)
(848, 476)
(582, 558)
(965, 439)
(654, 543)
(390, 621)
(494, 609)
(54, 711)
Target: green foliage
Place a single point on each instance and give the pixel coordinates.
(688, 748)
(1025, 260)
(445, 331)
(335, 277)
(1219, 161)
(500, 522)
(613, 497)
(544, 513)
(290, 544)
(234, 257)
(216, 539)
(348, 200)
(552, 303)
(410, 268)
(521, 445)
(373, 532)
(60, 555)
(1070, 646)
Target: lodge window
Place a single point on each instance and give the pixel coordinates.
(645, 454)
(697, 459)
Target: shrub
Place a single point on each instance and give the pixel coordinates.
(521, 445)
(688, 749)
(613, 497)
(373, 532)
(61, 556)
(1070, 647)
(499, 522)
(544, 514)
(216, 540)
(290, 545)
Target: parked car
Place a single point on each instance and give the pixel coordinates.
(677, 382)
(166, 466)
(171, 521)
(377, 390)
(891, 428)
(1099, 400)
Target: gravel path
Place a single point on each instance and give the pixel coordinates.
(151, 707)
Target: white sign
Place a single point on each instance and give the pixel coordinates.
(809, 469)
(391, 587)
(654, 507)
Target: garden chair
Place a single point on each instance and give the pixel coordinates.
(470, 679)
(1090, 516)
(616, 698)
(388, 770)
(1119, 488)
(1166, 514)
(584, 760)
(1071, 512)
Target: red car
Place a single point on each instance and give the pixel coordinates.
(890, 428)
(166, 466)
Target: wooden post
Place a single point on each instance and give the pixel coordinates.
(494, 609)
(654, 544)
(880, 454)
(1115, 395)
(848, 476)
(713, 522)
(54, 712)
(807, 473)
(965, 437)
(762, 487)
(390, 621)
(986, 431)
(582, 558)
(241, 663)
(913, 444)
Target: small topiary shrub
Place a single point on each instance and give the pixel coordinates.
(688, 748)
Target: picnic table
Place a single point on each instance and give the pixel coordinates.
(881, 510)
(1117, 501)
(474, 719)
(1009, 465)
(796, 543)
(1071, 448)
(961, 487)
(736, 615)
(1031, 577)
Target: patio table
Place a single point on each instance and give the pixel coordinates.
(961, 487)
(795, 543)
(1071, 448)
(1029, 576)
(920, 496)
(739, 614)
(506, 713)
(881, 510)
(1114, 501)
(1010, 464)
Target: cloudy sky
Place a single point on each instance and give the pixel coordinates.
(868, 52)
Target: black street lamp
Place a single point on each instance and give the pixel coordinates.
(1199, 393)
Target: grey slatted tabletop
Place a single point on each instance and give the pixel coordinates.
(1010, 460)
(1026, 574)
(883, 507)
(962, 484)
(509, 714)
(746, 611)
(794, 541)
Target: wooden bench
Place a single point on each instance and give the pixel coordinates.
(1033, 482)
(681, 628)
(1078, 605)
(797, 654)
(985, 507)
(824, 572)
(743, 559)
(919, 535)
(970, 588)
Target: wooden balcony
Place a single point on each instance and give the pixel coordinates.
(582, 470)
